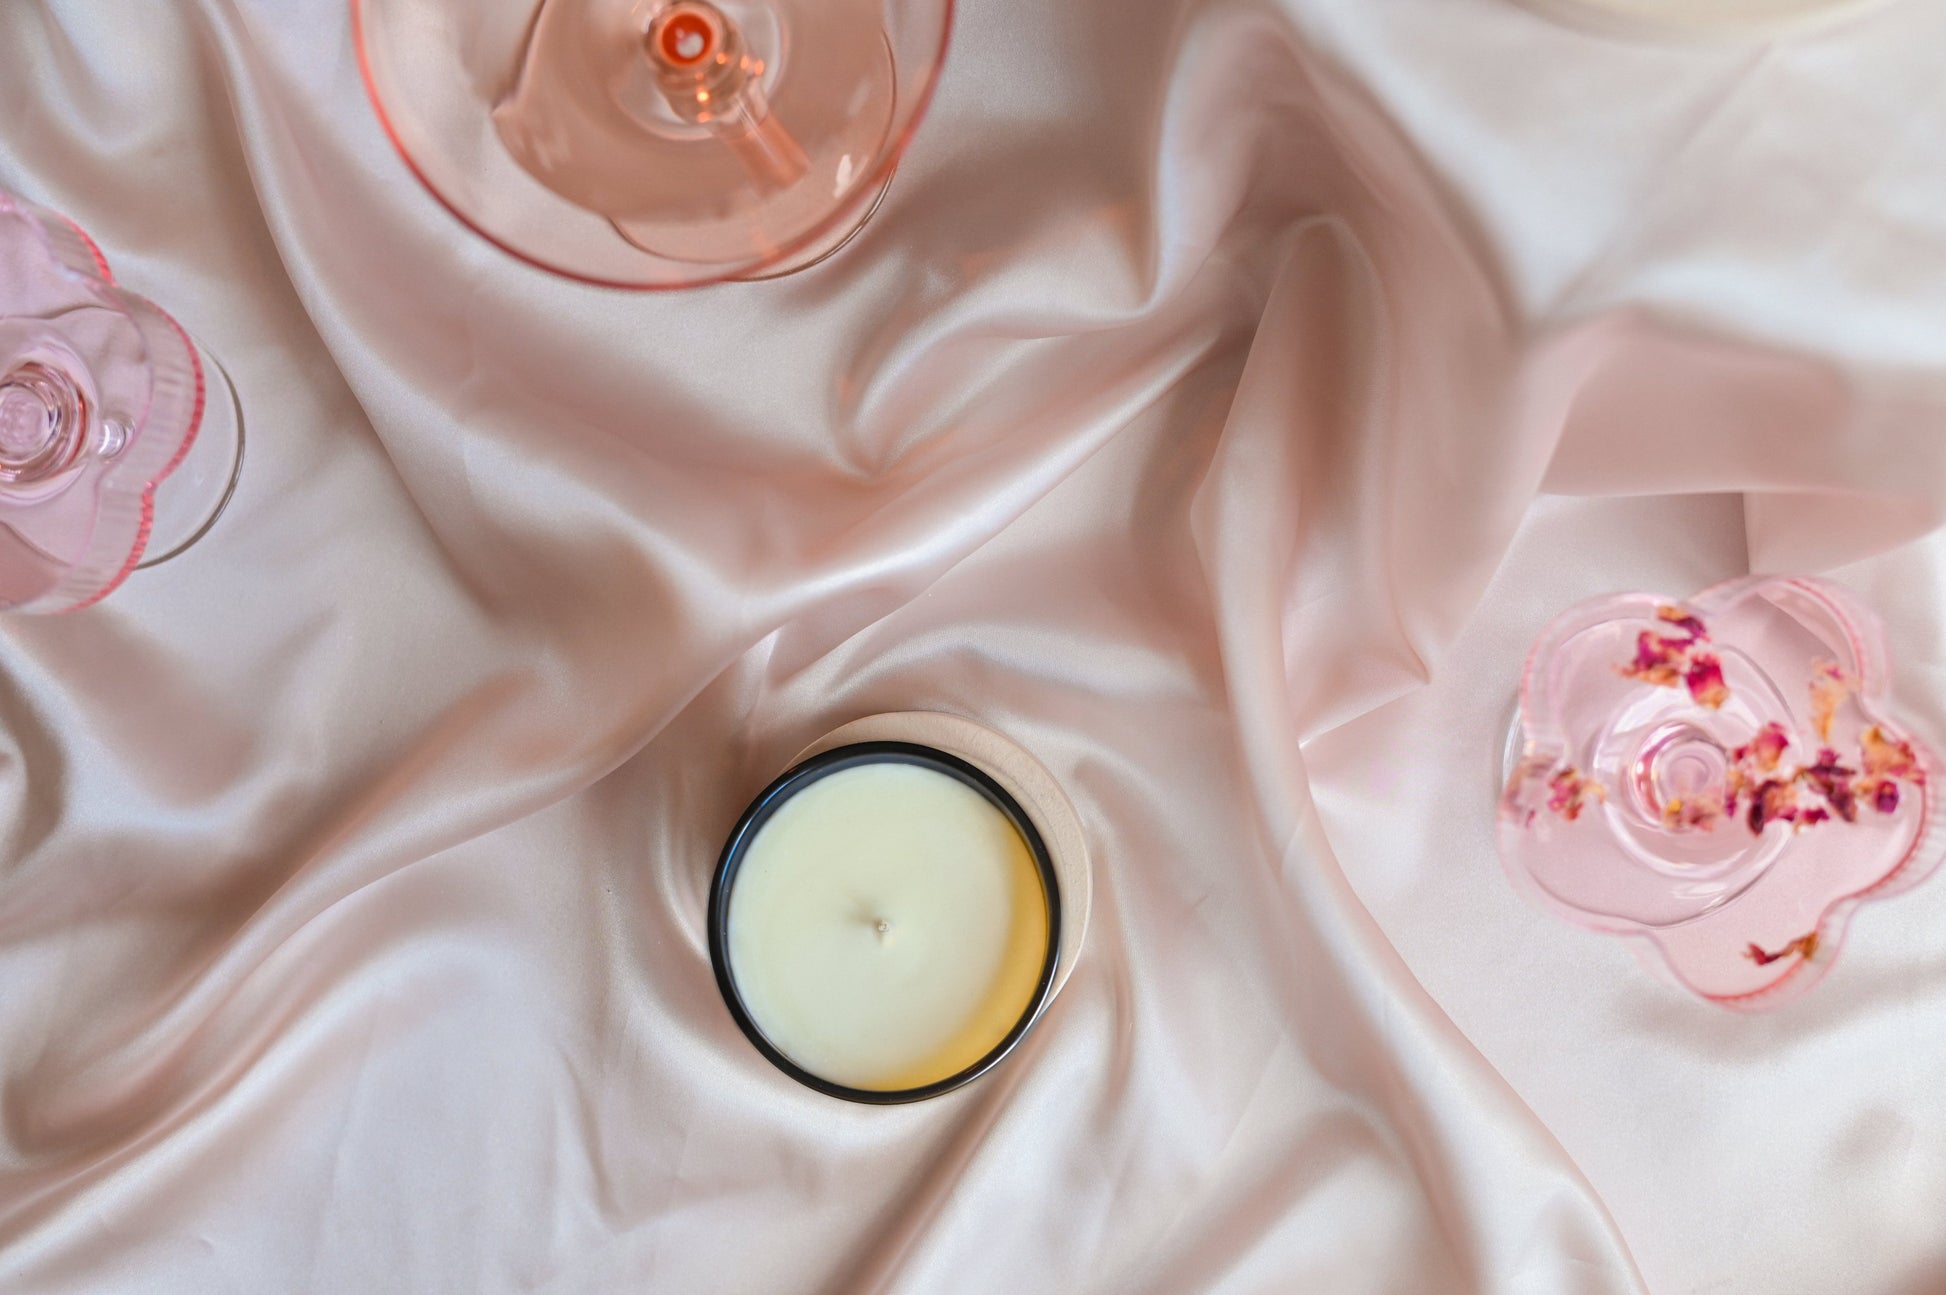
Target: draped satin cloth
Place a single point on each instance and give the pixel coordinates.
(1222, 399)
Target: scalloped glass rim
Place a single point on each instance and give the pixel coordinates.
(811, 248)
(1532, 736)
(126, 488)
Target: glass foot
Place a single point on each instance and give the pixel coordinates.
(821, 249)
(191, 498)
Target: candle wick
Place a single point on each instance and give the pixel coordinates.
(883, 928)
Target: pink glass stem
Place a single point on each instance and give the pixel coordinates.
(708, 77)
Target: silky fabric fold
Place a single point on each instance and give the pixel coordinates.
(1222, 397)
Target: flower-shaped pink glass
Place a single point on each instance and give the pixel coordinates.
(654, 143)
(1718, 778)
(101, 395)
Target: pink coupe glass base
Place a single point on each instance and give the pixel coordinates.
(103, 399)
(825, 245)
(1717, 778)
(655, 143)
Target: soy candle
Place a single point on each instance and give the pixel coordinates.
(885, 922)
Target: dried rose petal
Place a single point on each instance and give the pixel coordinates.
(1682, 620)
(1764, 750)
(1885, 797)
(1804, 946)
(1735, 783)
(1705, 680)
(1832, 781)
(1830, 685)
(1887, 757)
(1572, 792)
(1696, 811)
(1659, 660)
(1810, 817)
(1774, 800)
(1522, 801)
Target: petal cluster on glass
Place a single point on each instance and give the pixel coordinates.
(1759, 788)
(1680, 659)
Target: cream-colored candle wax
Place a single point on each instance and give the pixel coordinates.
(887, 927)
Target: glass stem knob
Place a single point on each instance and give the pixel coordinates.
(709, 77)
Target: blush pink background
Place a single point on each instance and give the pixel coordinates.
(1221, 401)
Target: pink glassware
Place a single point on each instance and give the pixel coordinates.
(1718, 780)
(654, 143)
(102, 397)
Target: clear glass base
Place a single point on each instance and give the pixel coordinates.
(190, 499)
(821, 249)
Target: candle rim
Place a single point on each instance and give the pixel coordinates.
(802, 775)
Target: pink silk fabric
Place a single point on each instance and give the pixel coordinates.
(1223, 398)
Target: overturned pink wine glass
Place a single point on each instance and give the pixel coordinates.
(120, 438)
(1718, 779)
(655, 143)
